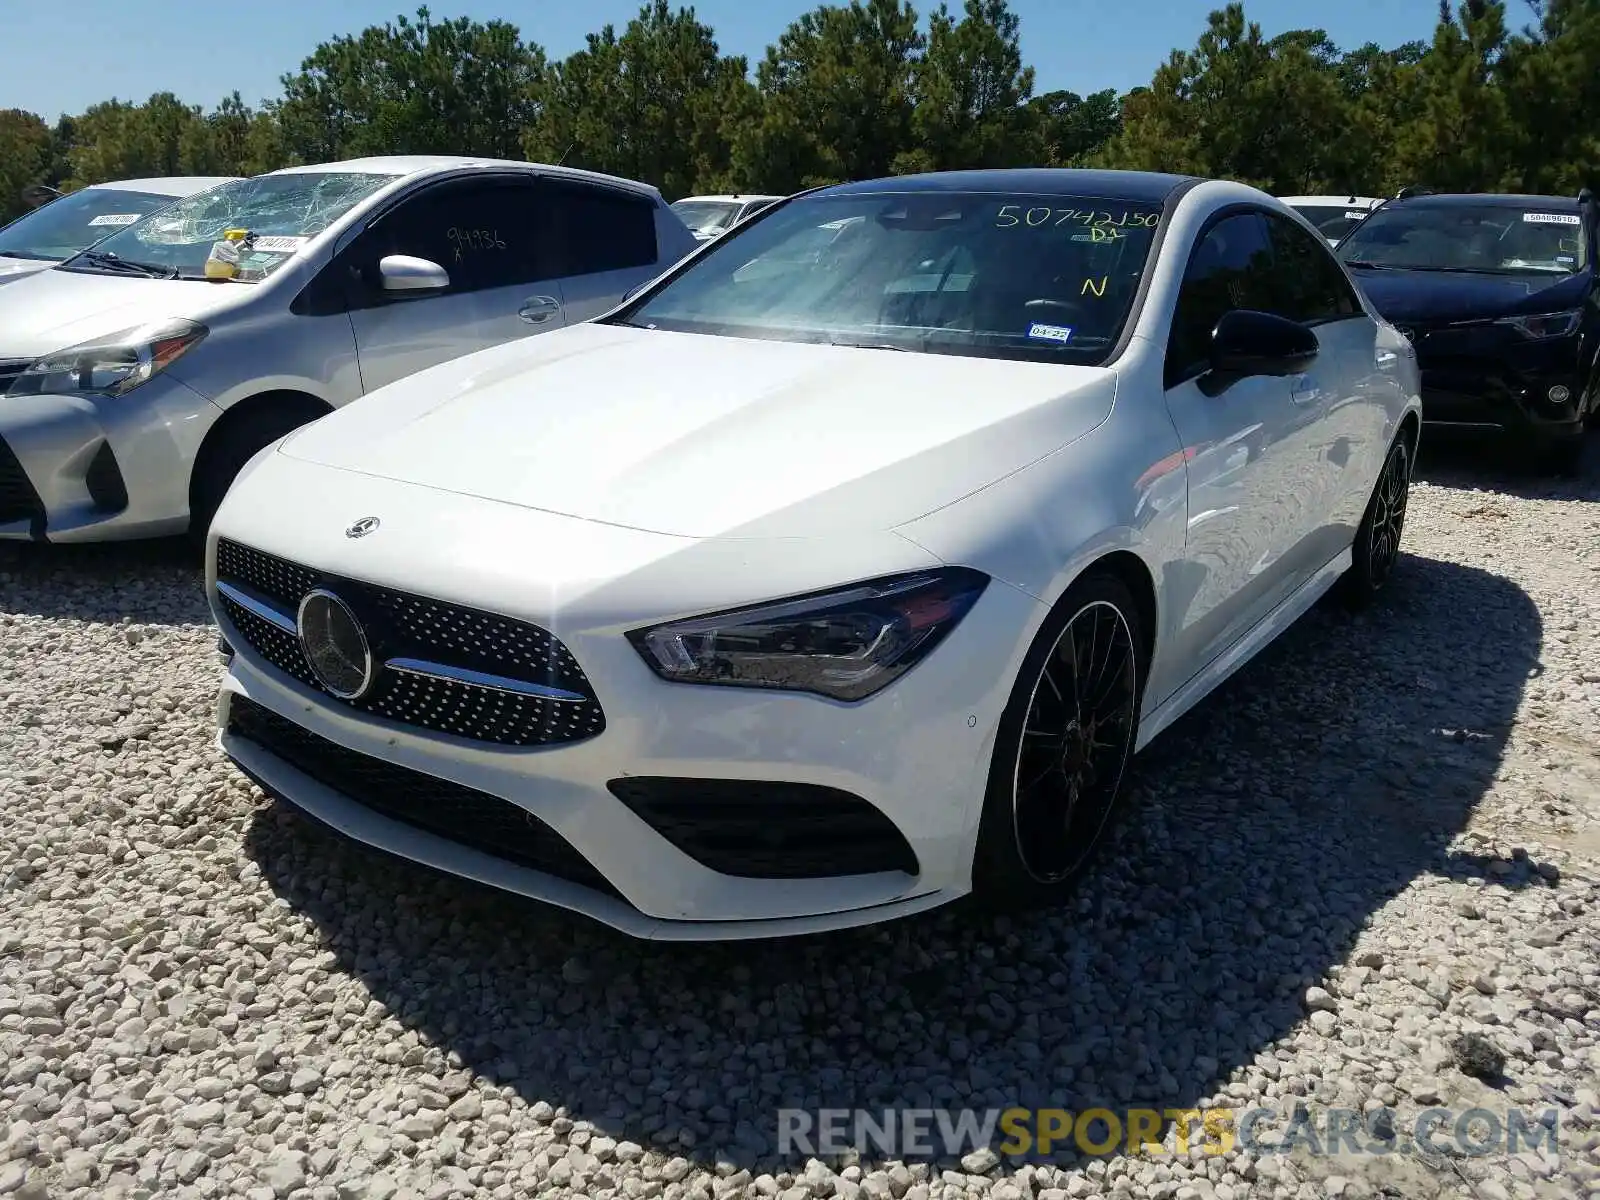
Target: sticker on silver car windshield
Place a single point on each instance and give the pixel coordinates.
(1050, 333)
(115, 219)
(1355, 216)
(278, 245)
(1551, 219)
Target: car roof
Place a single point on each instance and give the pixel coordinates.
(1151, 187)
(170, 185)
(1488, 200)
(1333, 201)
(731, 198)
(401, 165)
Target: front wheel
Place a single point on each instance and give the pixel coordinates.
(220, 464)
(1063, 747)
(1376, 549)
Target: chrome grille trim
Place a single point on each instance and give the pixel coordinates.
(259, 608)
(494, 683)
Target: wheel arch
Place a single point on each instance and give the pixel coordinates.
(239, 415)
(1128, 569)
(1411, 429)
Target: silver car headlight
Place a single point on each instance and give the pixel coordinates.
(844, 644)
(112, 365)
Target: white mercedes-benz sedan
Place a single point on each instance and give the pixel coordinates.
(837, 573)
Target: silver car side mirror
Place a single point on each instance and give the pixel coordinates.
(403, 273)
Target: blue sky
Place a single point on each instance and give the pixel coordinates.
(82, 51)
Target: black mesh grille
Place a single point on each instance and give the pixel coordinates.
(18, 500)
(449, 810)
(769, 830)
(400, 625)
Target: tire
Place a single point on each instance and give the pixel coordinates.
(1376, 548)
(220, 464)
(1034, 842)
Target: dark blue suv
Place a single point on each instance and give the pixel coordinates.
(1498, 295)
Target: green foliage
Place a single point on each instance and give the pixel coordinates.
(861, 88)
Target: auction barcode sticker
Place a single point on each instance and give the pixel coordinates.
(1551, 219)
(115, 219)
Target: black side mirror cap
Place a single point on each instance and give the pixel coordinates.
(1246, 342)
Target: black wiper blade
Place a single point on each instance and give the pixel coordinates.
(870, 346)
(1371, 266)
(104, 258)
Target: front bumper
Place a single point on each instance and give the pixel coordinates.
(79, 469)
(1481, 377)
(916, 754)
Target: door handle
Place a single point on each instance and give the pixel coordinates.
(1304, 390)
(539, 309)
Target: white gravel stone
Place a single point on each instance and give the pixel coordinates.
(1383, 835)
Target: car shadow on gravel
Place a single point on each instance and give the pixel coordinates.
(1487, 464)
(1264, 830)
(157, 582)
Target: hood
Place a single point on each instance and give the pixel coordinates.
(50, 310)
(13, 269)
(702, 436)
(1431, 296)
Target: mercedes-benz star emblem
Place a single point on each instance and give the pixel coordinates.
(335, 645)
(362, 527)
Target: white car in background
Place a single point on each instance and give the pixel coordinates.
(133, 388)
(1334, 216)
(712, 216)
(836, 574)
(61, 227)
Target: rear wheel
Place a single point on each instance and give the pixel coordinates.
(1377, 545)
(1063, 748)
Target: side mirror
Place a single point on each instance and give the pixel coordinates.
(39, 195)
(1257, 343)
(403, 273)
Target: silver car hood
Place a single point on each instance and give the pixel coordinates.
(13, 269)
(47, 310)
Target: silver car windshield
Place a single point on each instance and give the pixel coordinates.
(63, 227)
(283, 211)
(991, 275)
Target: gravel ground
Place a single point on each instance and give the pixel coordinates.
(1381, 836)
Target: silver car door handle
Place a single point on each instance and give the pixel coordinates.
(1304, 390)
(539, 309)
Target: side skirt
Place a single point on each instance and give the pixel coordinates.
(1292, 608)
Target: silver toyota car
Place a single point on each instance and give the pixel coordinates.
(133, 388)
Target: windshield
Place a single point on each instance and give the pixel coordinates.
(1333, 222)
(63, 227)
(705, 216)
(283, 211)
(1496, 239)
(989, 275)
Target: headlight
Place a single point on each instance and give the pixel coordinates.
(845, 644)
(1545, 325)
(110, 366)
